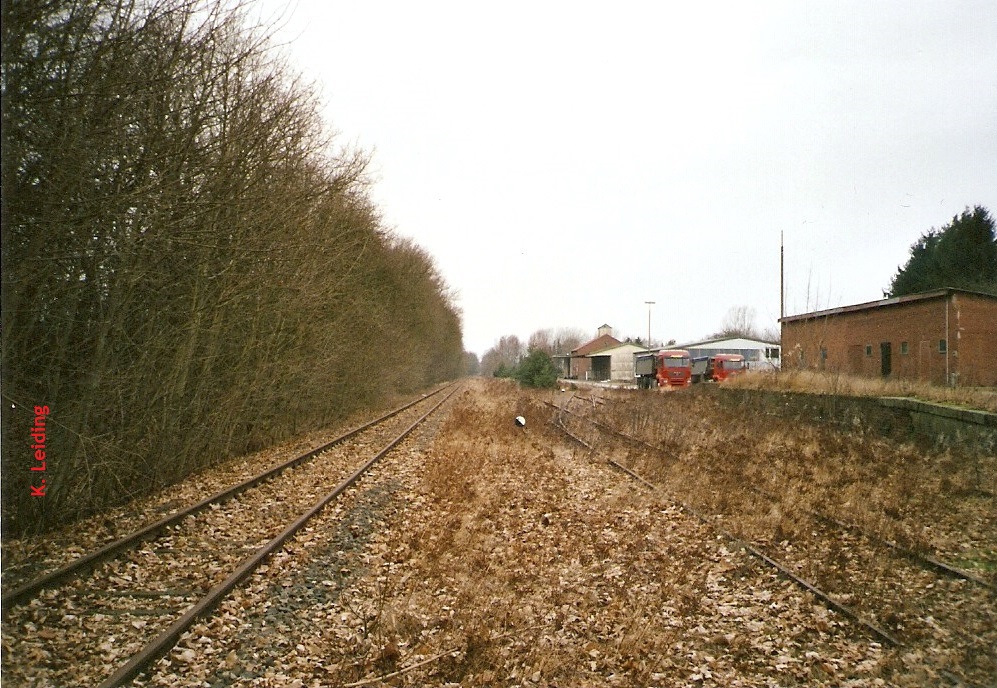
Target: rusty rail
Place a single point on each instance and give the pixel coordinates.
(925, 561)
(168, 638)
(88, 561)
(824, 597)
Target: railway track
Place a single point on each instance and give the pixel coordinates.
(16, 594)
(924, 560)
(107, 616)
(904, 599)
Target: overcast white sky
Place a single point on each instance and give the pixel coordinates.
(565, 162)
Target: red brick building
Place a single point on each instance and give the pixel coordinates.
(942, 336)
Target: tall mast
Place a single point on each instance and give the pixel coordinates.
(782, 277)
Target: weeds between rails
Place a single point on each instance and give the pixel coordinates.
(712, 465)
(922, 498)
(127, 574)
(924, 560)
(876, 632)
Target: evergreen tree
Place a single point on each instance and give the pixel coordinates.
(963, 254)
(537, 370)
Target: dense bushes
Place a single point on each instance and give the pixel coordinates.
(536, 369)
(190, 270)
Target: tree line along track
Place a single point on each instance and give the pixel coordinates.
(149, 580)
(910, 601)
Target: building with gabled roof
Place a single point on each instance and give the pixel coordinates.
(579, 363)
(615, 363)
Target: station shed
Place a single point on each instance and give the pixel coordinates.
(758, 353)
(579, 362)
(945, 336)
(615, 363)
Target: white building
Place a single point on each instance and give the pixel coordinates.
(759, 354)
(615, 363)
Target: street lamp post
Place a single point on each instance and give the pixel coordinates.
(649, 304)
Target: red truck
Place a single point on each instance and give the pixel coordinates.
(717, 368)
(667, 368)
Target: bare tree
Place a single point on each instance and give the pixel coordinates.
(506, 354)
(190, 268)
(739, 322)
(542, 340)
(473, 365)
(556, 341)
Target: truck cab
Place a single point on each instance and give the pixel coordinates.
(674, 368)
(668, 368)
(726, 366)
(717, 368)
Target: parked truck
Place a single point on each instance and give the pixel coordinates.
(717, 368)
(667, 368)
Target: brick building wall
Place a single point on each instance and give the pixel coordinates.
(977, 333)
(937, 336)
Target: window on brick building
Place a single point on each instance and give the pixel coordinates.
(904, 349)
(868, 349)
(943, 346)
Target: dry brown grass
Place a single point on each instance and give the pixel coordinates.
(983, 398)
(538, 566)
(522, 559)
(725, 460)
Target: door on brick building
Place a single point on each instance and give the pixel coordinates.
(886, 359)
(924, 368)
(855, 359)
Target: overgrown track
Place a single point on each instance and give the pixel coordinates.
(905, 599)
(923, 560)
(876, 632)
(83, 629)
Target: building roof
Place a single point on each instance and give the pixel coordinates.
(598, 344)
(626, 347)
(886, 303)
(730, 343)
